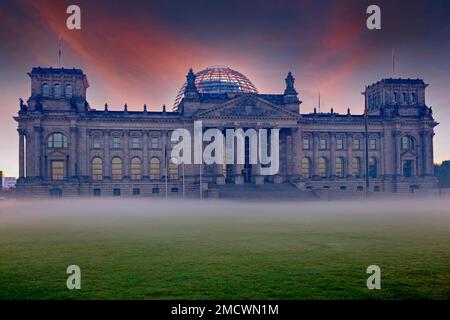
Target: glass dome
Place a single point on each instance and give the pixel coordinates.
(219, 79)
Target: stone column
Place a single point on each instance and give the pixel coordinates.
(298, 145)
(396, 154)
(382, 155)
(422, 153)
(126, 154)
(165, 156)
(38, 164)
(83, 152)
(21, 153)
(73, 151)
(289, 153)
(429, 153)
(107, 158)
(145, 159)
(349, 145)
(333, 154)
(315, 162)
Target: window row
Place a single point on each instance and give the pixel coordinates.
(340, 144)
(135, 169)
(324, 170)
(57, 90)
(59, 140)
(135, 142)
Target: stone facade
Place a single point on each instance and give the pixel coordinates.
(68, 148)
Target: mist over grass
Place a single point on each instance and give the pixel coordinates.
(157, 249)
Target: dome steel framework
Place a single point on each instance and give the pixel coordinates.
(219, 79)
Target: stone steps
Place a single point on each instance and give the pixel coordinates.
(265, 192)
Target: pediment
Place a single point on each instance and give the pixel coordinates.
(56, 153)
(248, 107)
(409, 154)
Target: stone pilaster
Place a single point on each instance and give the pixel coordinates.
(333, 154)
(107, 159)
(349, 145)
(126, 163)
(145, 158)
(22, 133)
(315, 162)
(73, 157)
(38, 168)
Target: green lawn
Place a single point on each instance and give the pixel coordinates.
(158, 250)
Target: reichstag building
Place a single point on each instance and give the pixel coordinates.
(69, 148)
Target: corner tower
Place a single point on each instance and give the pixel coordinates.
(392, 97)
(58, 89)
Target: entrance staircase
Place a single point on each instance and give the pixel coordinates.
(263, 192)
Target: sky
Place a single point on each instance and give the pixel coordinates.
(138, 52)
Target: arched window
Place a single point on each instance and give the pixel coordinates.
(372, 167)
(57, 140)
(407, 143)
(57, 90)
(136, 169)
(116, 168)
(69, 90)
(356, 167)
(413, 97)
(97, 169)
(45, 90)
(339, 167)
(155, 169)
(173, 170)
(323, 167)
(306, 167)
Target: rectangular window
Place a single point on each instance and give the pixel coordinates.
(323, 144)
(155, 142)
(57, 170)
(135, 143)
(155, 190)
(96, 143)
(136, 191)
(97, 192)
(356, 144)
(116, 192)
(116, 143)
(372, 144)
(306, 144)
(339, 144)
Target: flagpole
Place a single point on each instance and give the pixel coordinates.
(59, 51)
(182, 168)
(201, 189)
(319, 101)
(366, 130)
(167, 167)
(393, 62)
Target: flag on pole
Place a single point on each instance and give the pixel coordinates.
(59, 50)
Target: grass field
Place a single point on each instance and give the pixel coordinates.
(214, 250)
